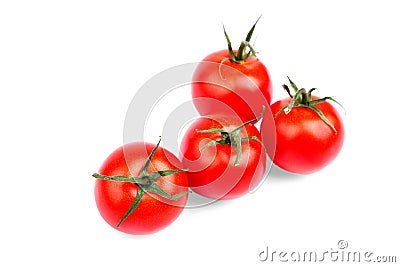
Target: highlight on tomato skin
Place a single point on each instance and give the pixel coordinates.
(141, 188)
(309, 131)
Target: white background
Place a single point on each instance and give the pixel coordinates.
(69, 69)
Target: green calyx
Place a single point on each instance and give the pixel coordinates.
(241, 54)
(303, 99)
(232, 138)
(146, 182)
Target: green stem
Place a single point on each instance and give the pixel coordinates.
(146, 165)
(135, 204)
(241, 55)
(230, 49)
(233, 138)
(303, 99)
(141, 180)
(116, 178)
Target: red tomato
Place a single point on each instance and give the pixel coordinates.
(218, 167)
(305, 143)
(115, 198)
(232, 79)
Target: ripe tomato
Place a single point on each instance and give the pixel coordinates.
(232, 80)
(147, 203)
(225, 158)
(309, 135)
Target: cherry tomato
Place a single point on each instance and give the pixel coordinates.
(148, 202)
(225, 158)
(309, 134)
(232, 80)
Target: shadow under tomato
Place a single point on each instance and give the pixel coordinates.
(197, 201)
(276, 173)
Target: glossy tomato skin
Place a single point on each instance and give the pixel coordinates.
(211, 171)
(113, 199)
(219, 85)
(304, 143)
